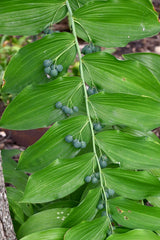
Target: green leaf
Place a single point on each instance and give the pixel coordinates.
(130, 184)
(94, 230)
(26, 67)
(59, 179)
(13, 196)
(150, 60)
(117, 76)
(130, 151)
(52, 144)
(137, 234)
(86, 210)
(114, 23)
(51, 234)
(52, 218)
(29, 17)
(130, 214)
(130, 110)
(19, 209)
(11, 175)
(35, 106)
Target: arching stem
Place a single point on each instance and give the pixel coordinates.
(87, 107)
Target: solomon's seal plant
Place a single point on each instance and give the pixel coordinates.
(94, 174)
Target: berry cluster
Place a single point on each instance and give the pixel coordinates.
(97, 127)
(109, 193)
(65, 109)
(76, 143)
(94, 178)
(48, 30)
(101, 204)
(90, 49)
(91, 91)
(103, 160)
(51, 69)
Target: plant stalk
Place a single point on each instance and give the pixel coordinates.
(87, 107)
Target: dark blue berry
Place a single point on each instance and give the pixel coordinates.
(95, 90)
(75, 109)
(97, 126)
(111, 192)
(67, 110)
(64, 108)
(97, 175)
(97, 49)
(101, 201)
(47, 62)
(87, 179)
(76, 143)
(70, 111)
(69, 138)
(94, 180)
(59, 105)
(59, 68)
(100, 206)
(54, 73)
(47, 70)
(48, 30)
(88, 50)
(103, 164)
(84, 49)
(90, 91)
(83, 144)
(107, 194)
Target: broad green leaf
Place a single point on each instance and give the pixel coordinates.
(29, 17)
(137, 234)
(150, 60)
(117, 76)
(59, 179)
(130, 214)
(13, 196)
(94, 230)
(130, 151)
(19, 209)
(114, 23)
(130, 184)
(11, 175)
(51, 234)
(52, 144)
(52, 218)
(26, 67)
(35, 106)
(138, 112)
(16, 210)
(86, 210)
